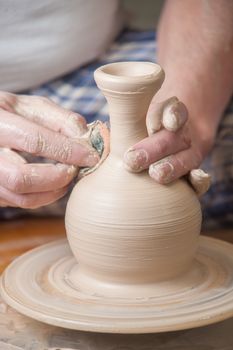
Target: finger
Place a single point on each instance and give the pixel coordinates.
(175, 114)
(175, 166)
(23, 135)
(29, 178)
(4, 203)
(9, 155)
(155, 114)
(7, 101)
(200, 181)
(171, 114)
(154, 148)
(45, 112)
(31, 200)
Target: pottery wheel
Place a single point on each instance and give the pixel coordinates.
(40, 284)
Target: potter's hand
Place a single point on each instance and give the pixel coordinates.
(39, 127)
(171, 150)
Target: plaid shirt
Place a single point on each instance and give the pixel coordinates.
(78, 91)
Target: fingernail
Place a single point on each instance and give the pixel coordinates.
(136, 160)
(174, 116)
(153, 123)
(70, 169)
(170, 121)
(162, 172)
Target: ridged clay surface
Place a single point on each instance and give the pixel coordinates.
(41, 284)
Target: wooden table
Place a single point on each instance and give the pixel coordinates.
(18, 332)
(18, 236)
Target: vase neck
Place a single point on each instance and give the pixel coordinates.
(128, 88)
(127, 119)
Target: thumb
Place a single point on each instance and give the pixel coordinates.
(170, 113)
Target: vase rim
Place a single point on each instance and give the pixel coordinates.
(128, 76)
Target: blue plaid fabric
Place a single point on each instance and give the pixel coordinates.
(78, 91)
(217, 203)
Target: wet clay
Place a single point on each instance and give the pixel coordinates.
(128, 232)
(33, 335)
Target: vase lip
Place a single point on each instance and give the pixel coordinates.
(131, 77)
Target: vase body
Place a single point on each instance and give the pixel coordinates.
(127, 232)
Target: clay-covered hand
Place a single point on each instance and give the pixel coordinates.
(38, 126)
(171, 150)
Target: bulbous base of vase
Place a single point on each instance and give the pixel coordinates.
(128, 229)
(42, 284)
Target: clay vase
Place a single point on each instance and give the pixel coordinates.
(129, 234)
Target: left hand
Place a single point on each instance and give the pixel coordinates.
(37, 126)
(172, 149)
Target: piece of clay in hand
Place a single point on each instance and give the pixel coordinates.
(98, 136)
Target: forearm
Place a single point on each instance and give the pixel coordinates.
(195, 48)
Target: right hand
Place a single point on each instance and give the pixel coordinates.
(172, 148)
(38, 126)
